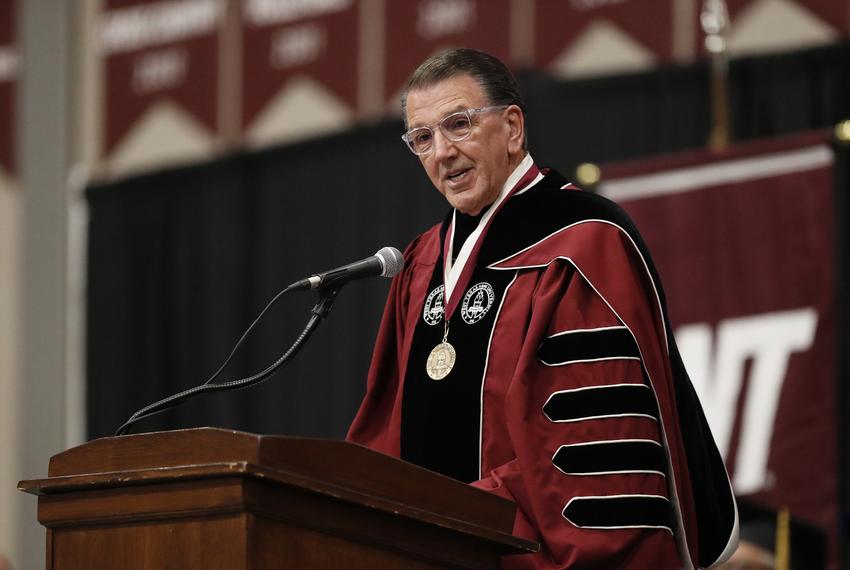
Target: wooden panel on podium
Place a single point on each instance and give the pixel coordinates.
(212, 498)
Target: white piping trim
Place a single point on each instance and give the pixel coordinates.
(621, 472)
(696, 177)
(604, 442)
(564, 511)
(599, 387)
(571, 331)
(645, 266)
(484, 376)
(585, 360)
(603, 417)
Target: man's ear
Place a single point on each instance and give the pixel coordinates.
(516, 126)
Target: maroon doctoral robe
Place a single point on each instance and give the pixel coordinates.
(568, 395)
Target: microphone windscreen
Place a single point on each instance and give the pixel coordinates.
(391, 260)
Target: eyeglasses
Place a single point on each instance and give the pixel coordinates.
(454, 127)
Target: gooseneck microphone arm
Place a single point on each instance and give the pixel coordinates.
(318, 313)
(387, 262)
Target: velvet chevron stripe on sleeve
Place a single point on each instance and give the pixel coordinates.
(595, 402)
(611, 457)
(589, 345)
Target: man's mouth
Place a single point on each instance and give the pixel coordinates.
(458, 175)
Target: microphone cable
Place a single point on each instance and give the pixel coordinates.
(319, 312)
(387, 262)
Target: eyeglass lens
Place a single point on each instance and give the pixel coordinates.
(455, 127)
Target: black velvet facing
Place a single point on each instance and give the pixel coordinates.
(600, 402)
(610, 457)
(464, 225)
(620, 512)
(440, 422)
(587, 345)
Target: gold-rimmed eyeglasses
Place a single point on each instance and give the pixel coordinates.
(454, 127)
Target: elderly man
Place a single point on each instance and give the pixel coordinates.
(525, 348)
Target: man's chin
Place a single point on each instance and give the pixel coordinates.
(458, 201)
(469, 202)
(467, 207)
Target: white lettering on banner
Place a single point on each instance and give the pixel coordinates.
(265, 12)
(8, 64)
(591, 4)
(297, 45)
(159, 70)
(138, 27)
(444, 17)
(768, 340)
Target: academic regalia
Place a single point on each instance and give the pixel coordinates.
(567, 396)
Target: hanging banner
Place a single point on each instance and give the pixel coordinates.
(418, 29)
(157, 52)
(580, 37)
(298, 58)
(744, 243)
(9, 64)
(833, 13)
(757, 26)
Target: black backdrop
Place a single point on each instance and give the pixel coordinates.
(181, 261)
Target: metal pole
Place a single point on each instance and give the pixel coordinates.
(841, 146)
(714, 19)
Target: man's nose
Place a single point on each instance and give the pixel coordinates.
(443, 147)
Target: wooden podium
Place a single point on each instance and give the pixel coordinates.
(218, 499)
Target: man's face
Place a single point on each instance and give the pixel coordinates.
(469, 173)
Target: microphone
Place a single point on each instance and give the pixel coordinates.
(386, 262)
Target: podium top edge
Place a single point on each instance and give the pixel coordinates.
(326, 462)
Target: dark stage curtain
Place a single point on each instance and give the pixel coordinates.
(181, 261)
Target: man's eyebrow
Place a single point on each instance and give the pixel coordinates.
(456, 109)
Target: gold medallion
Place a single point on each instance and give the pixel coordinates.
(440, 361)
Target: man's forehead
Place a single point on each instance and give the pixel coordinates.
(432, 102)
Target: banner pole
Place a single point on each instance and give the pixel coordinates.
(841, 146)
(714, 19)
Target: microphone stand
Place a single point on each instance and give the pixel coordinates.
(318, 313)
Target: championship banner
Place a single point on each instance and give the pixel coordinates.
(300, 62)
(577, 37)
(744, 243)
(8, 80)
(158, 53)
(757, 26)
(418, 29)
(834, 13)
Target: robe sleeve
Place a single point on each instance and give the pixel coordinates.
(589, 473)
